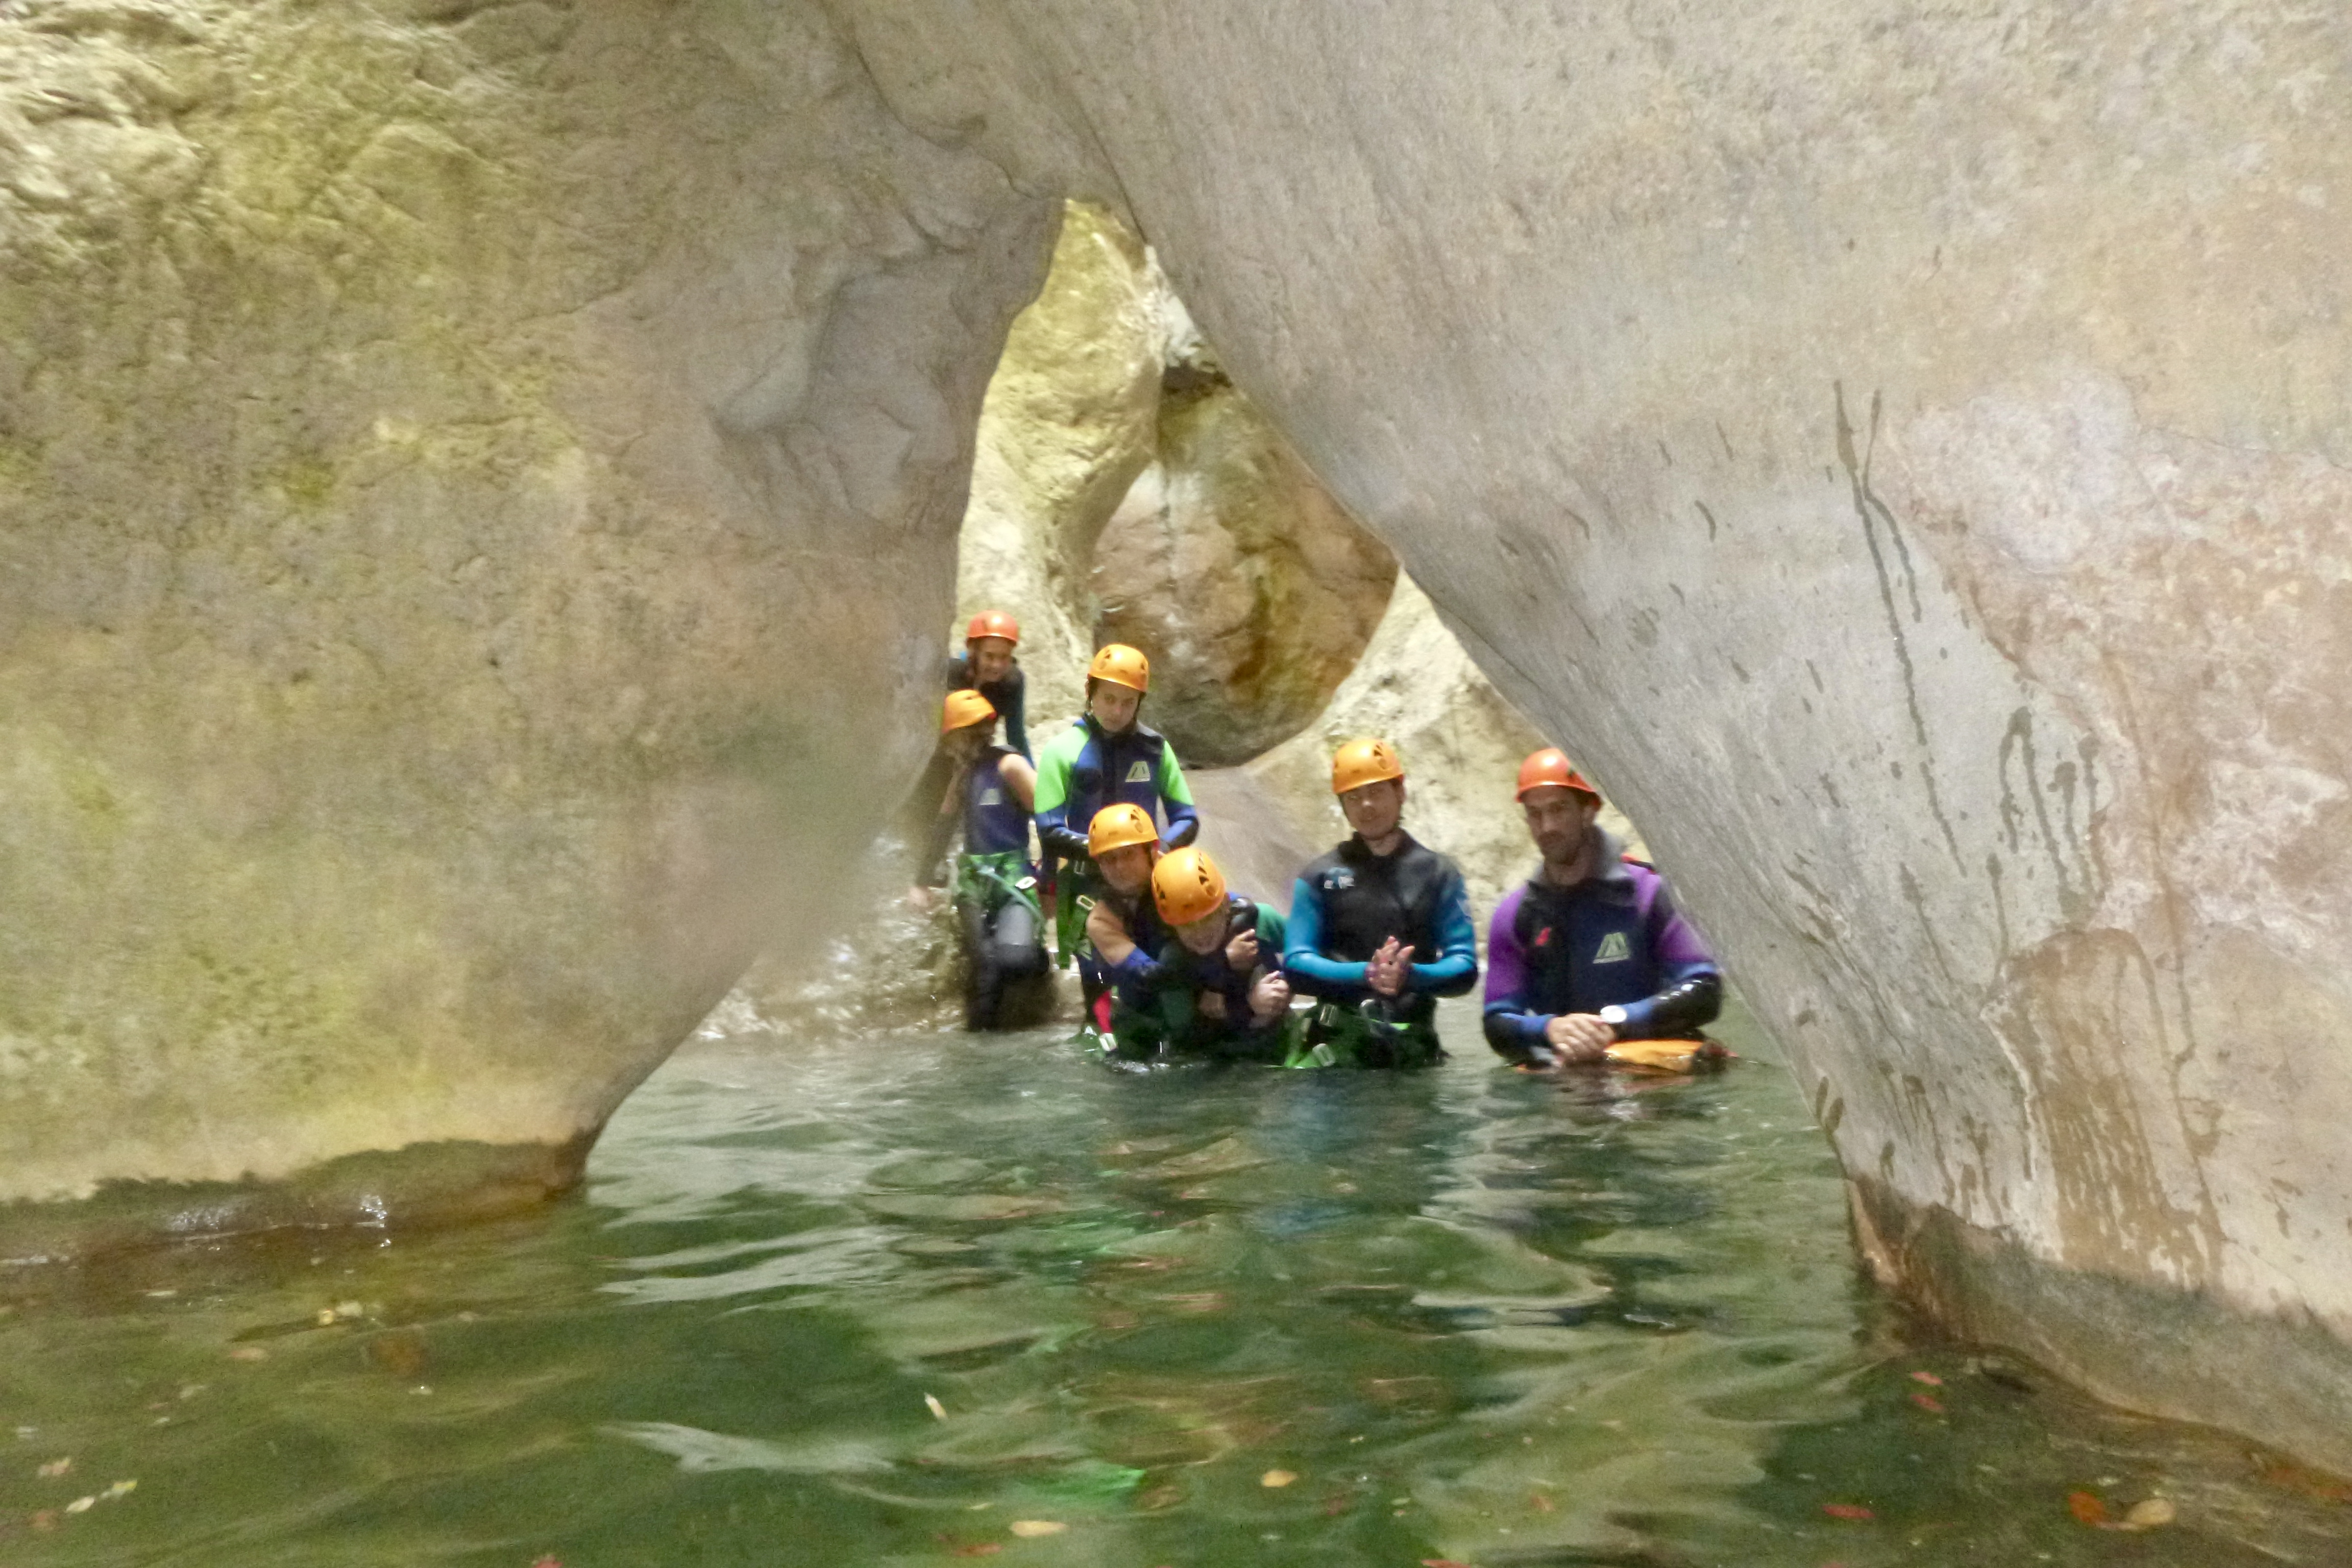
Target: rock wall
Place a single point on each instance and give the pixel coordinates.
(1125, 491)
(1460, 740)
(473, 483)
(1905, 448)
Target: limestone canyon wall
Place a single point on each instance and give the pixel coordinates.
(1906, 448)
(472, 491)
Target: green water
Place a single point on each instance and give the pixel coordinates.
(1479, 1316)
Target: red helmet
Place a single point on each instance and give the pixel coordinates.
(1550, 769)
(992, 623)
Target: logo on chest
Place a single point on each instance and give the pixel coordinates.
(990, 797)
(1614, 949)
(1339, 879)
(1139, 772)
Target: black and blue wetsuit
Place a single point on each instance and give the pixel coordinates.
(1008, 694)
(1346, 905)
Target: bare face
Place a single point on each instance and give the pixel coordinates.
(1114, 706)
(1559, 820)
(991, 657)
(1205, 935)
(1373, 810)
(1127, 867)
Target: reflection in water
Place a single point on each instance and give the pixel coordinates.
(1470, 1316)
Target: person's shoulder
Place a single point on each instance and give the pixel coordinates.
(1066, 742)
(1437, 860)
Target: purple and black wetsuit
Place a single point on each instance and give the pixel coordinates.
(1614, 940)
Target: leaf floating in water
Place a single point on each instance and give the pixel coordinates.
(1541, 1503)
(1442, 1562)
(121, 1489)
(2152, 1515)
(1030, 1529)
(46, 1520)
(248, 1352)
(81, 1505)
(1847, 1511)
(56, 1467)
(2087, 1508)
(939, 1411)
(1277, 1478)
(1929, 1378)
(1929, 1403)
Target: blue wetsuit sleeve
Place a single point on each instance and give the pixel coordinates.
(1302, 959)
(1455, 968)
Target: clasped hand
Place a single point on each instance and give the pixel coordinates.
(1390, 971)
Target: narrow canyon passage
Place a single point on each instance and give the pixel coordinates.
(1206, 1319)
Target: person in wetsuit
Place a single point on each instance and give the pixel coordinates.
(1379, 927)
(1221, 990)
(1591, 950)
(1123, 932)
(988, 793)
(987, 665)
(1104, 757)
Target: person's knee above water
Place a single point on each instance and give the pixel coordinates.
(1220, 988)
(1106, 757)
(989, 792)
(1380, 927)
(1123, 932)
(1591, 950)
(988, 666)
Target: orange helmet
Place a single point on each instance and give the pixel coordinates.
(992, 623)
(1121, 666)
(1117, 826)
(1187, 886)
(965, 710)
(1359, 763)
(1550, 769)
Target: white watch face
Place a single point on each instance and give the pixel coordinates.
(1613, 1017)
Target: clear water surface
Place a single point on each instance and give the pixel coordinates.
(1182, 1319)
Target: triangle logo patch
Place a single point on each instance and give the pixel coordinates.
(1140, 773)
(1614, 949)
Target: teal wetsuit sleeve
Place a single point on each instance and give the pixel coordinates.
(1176, 801)
(1310, 973)
(1455, 968)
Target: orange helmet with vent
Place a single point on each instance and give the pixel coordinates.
(965, 709)
(1117, 826)
(1550, 769)
(1121, 666)
(1359, 763)
(1187, 886)
(992, 623)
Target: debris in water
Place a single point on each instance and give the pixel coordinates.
(1277, 1479)
(81, 1505)
(1031, 1528)
(46, 1519)
(1929, 1378)
(1442, 1562)
(1847, 1511)
(120, 1488)
(2151, 1514)
(56, 1467)
(248, 1352)
(1929, 1403)
(2087, 1508)
(939, 1411)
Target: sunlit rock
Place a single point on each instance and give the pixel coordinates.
(1123, 490)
